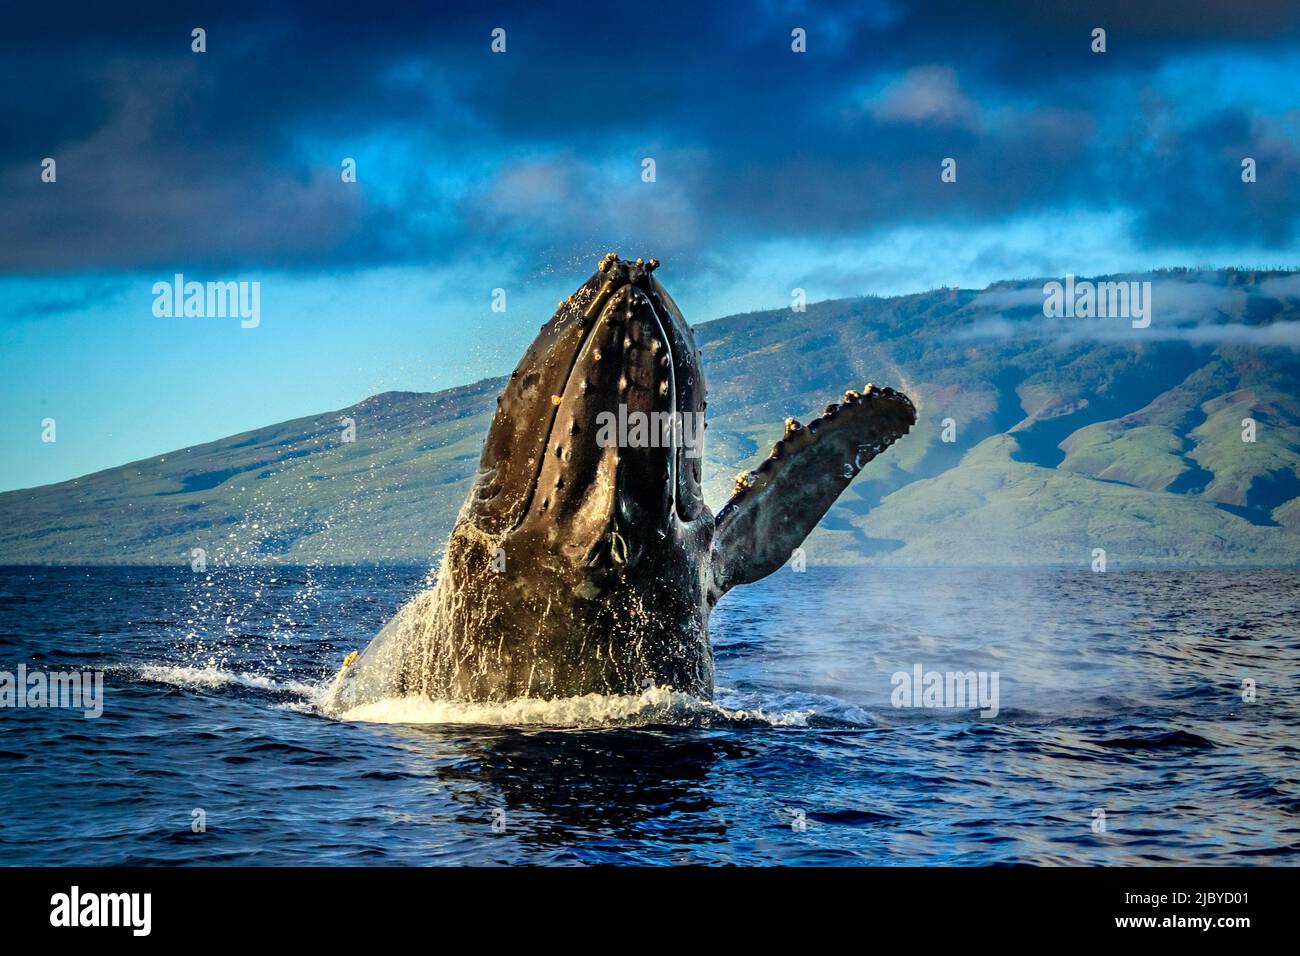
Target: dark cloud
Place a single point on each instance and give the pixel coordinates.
(1191, 181)
(230, 158)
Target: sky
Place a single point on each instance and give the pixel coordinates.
(479, 170)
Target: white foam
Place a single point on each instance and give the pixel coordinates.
(297, 707)
(210, 676)
(656, 705)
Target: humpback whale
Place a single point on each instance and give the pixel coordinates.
(582, 565)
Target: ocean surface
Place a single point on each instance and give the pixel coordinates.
(1141, 717)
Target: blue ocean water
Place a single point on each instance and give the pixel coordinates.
(1120, 702)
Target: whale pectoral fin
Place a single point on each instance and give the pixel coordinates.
(776, 506)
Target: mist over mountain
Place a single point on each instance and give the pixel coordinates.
(1064, 435)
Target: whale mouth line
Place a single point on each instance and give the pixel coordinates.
(536, 480)
(651, 298)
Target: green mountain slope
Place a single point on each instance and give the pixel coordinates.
(1038, 441)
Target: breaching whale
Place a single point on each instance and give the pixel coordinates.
(581, 565)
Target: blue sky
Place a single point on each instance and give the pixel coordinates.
(478, 171)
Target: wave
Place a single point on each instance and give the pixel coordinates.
(211, 677)
(1170, 740)
(655, 706)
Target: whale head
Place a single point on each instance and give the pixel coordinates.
(585, 560)
(594, 451)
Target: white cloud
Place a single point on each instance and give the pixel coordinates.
(927, 94)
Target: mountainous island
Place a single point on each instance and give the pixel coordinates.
(1039, 440)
